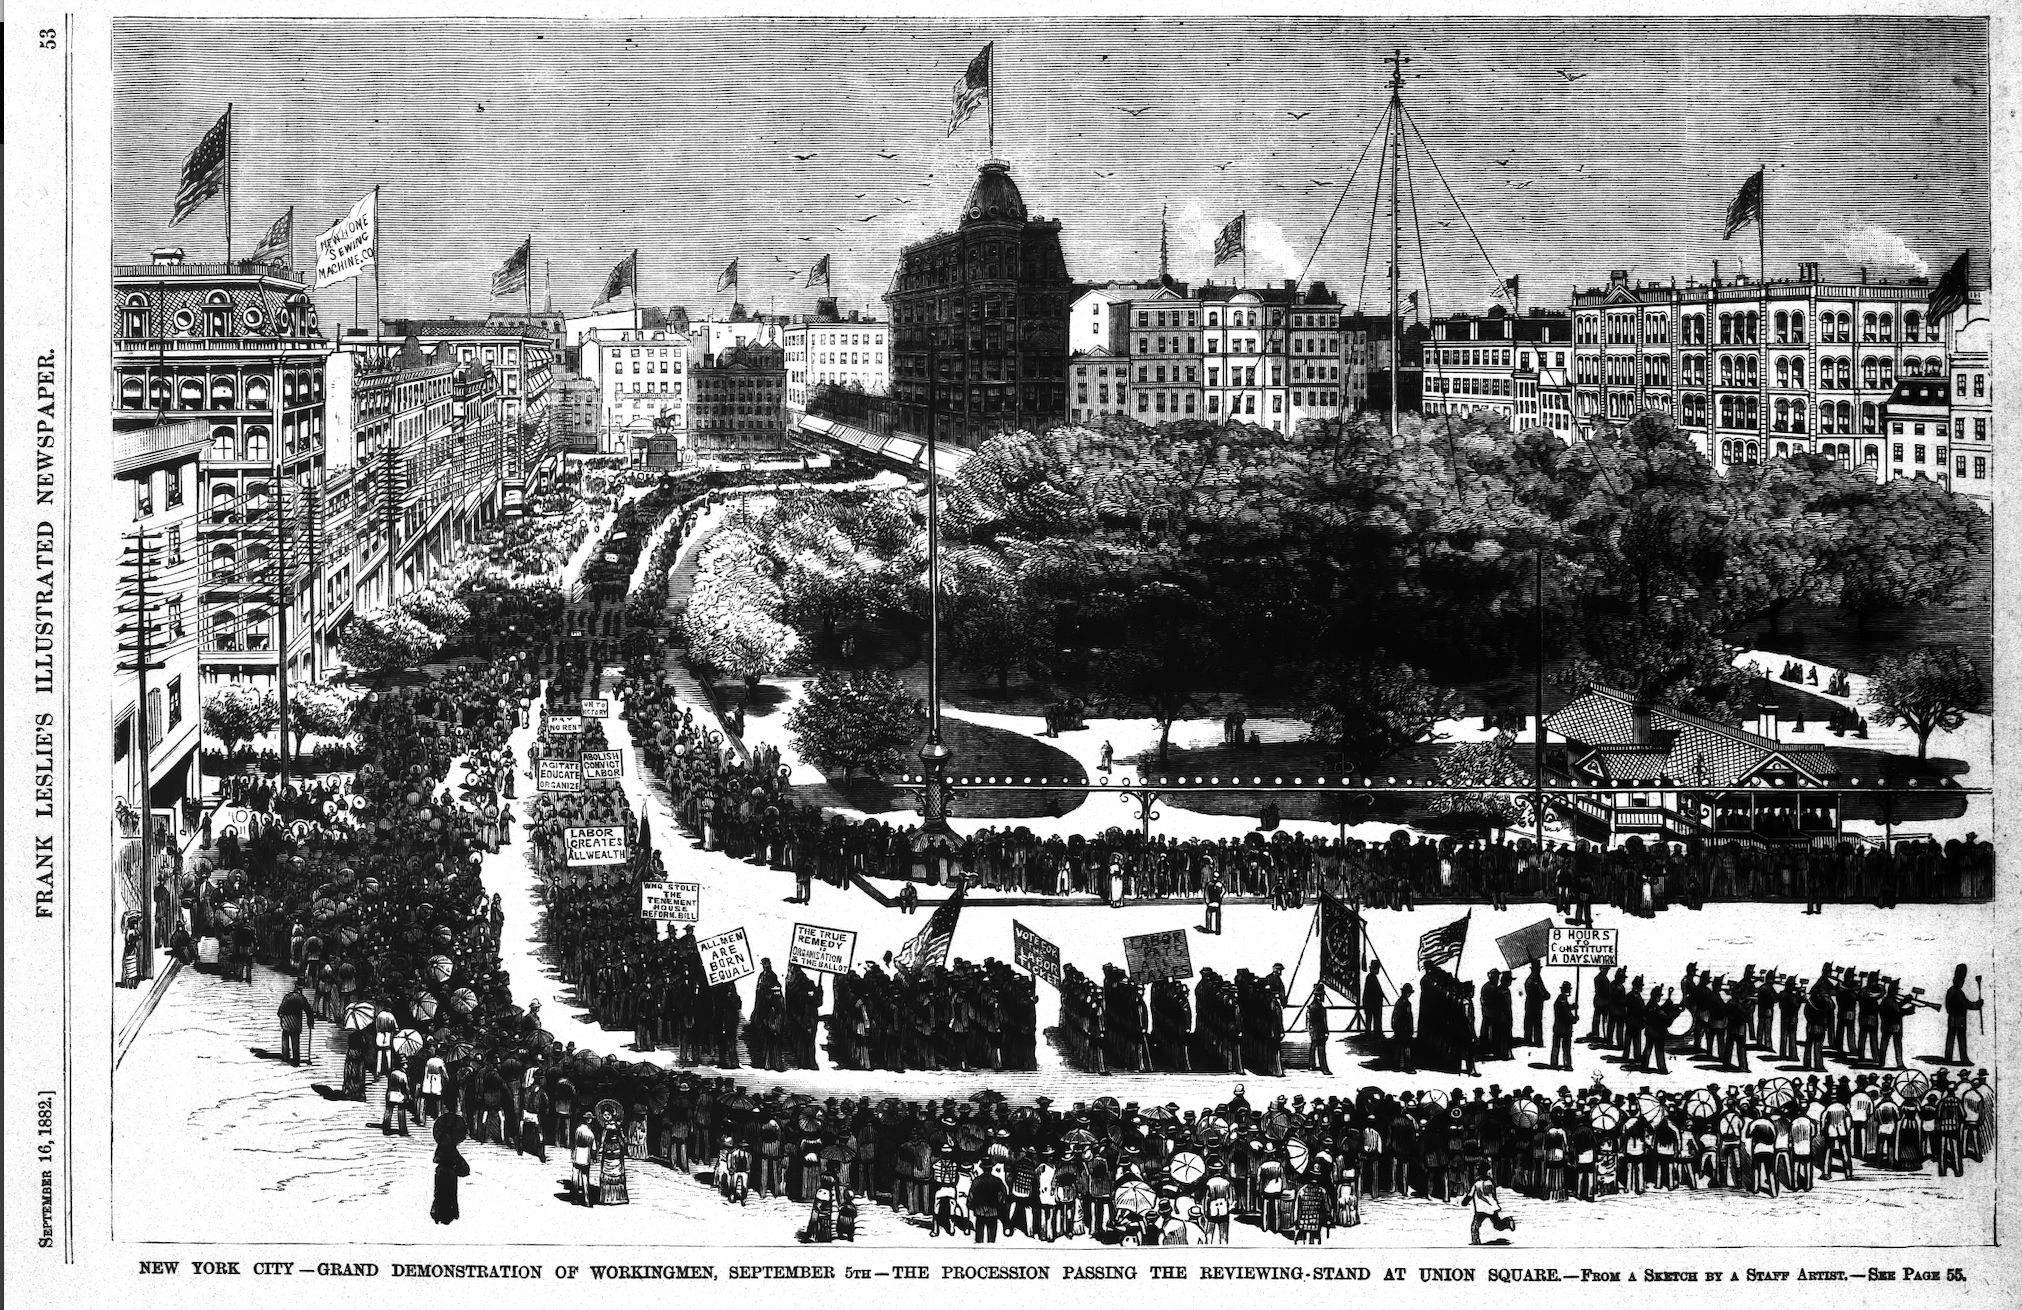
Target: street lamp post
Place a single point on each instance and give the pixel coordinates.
(936, 840)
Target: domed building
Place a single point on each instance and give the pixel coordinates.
(979, 320)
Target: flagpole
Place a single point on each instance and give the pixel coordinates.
(1762, 320)
(993, 99)
(528, 274)
(637, 322)
(378, 263)
(228, 184)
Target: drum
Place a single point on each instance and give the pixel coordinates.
(1681, 1024)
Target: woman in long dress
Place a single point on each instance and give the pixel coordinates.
(129, 958)
(611, 1167)
(449, 1167)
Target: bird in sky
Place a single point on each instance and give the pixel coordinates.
(1295, 115)
(1223, 168)
(862, 194)
(1571, 77)
(1317, 182)
(803, 238)
(1446, 222)
(1518, 185)
(1504, 162)
(867, 218)
(1135, 112)
(480, 109)
(903, 200)
(1105, 172)
(888, 154)
(803, 158)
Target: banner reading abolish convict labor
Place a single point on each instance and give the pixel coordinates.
(823, 950)
(558, 775)
(1156, 955)
(1583, 947)
(597, 845)
(1033, 953)
(726, 957)
(350, 245)
(670, 902)
(603, 766)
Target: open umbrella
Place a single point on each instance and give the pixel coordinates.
(1651, 1108)
(1780, 1093)
(359, 1015)
(1605, 1118)
(1159, 1114)
(1434, 1098)
(609, 1112)
(1186, 1168)
(458, 1052)
(407, 1041)
(1079, 1137)
(1300, 1152)
(1135, 1198)
(1108, 1103)
(970, 1138)
(421, 1006)
(463, 1000)
(1214, 1130)
(1525, 1114)
(1702, 1104)
(438, 968)
(1278, 1125)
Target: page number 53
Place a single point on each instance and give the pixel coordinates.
(46, 39)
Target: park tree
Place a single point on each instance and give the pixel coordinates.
(1159, 659)
(856, 723)
(439, 612)
(992, 624)
(1669, 658)
(1370, 708)
(317, 709)
(237, 713)
(1491, 763)
(1790, 527)
(1926, 691)
(387, 640)
(1915, 545)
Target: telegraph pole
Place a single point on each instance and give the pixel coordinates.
(934, 753)
(1397, 61)
(138, 658)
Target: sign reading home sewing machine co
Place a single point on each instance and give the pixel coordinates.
(824, 950)
(726, 957)
(603, 766)
(1577, 948)
(1155, 955)
(670, 902)
(559, 775)
(596, 845)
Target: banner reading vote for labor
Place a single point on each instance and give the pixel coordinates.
(1158, 955)
(603, 766)
(596, 709)
(1033, 953)
(670, 902)
(1583, 947)
(565, 725)
(1519, 948)
(726, 957)
(596, 845)
(558, 775)
(824, 950)
(349, 246)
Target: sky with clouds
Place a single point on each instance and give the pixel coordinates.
(1572, 147)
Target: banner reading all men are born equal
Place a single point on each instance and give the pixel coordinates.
(349, 246)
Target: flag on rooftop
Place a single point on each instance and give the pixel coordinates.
(973, 90)
(279, 243)
(512, 275)
(1746, 207)
(1953, 289)
(729, 277)
(623, 278)
(206, 170)
(1233, 240)
(819, 273)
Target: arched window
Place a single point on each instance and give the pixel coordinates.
(133, 317)
(224, 445)
(256, 629)
(1797, 328)
(1727, 452)
(224, 626)
(1726, 370)
(1797, 408)
(1871, 454)
(1782, 371)
(1782, 449)
(190, 393)
(1754, 327)
(1913, 324)
(1870, 419)
(1869, 330)
(1781, 423)
(1888, 327)
(224, 392)
(218, 315)
(256, 442)
(132, 392)
(1797, 372)
(257, 389)
(1871, 373)
(1934, 366)
(1751, 455)
(1727, 329)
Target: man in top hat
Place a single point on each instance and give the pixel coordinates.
(1957, 1004)
(1402, 1030)
(1372, 1000)
(1565, 1014)
(1316, 1026)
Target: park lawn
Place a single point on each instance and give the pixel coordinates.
(979, 751)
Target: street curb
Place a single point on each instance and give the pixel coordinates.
(138, 1019)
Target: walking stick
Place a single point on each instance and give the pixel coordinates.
(1980, 995)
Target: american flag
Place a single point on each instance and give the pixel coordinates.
(206, 169)
(625, 277)
(279, 243)
(819, 273)
(973, 89)
(512, 275)
(729, 278)
(1442, 945)
(1954, 289)
(1233, 240)
(930, 944)
(1746, 207)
